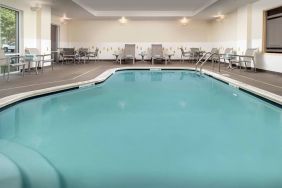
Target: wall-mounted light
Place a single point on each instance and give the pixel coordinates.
(35, 6)
(184, 21)
(64, 19)
(123, 20)
(219, 17)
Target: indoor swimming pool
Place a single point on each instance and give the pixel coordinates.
(143, 129)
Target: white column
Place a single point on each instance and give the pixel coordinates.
(43, 33)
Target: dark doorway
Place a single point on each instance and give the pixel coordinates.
(55, 40)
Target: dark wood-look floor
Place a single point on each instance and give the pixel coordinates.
(69, 73)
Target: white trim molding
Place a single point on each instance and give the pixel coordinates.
(143, 13)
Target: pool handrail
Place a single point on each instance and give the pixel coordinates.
(208, 55)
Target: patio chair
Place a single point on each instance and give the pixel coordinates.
(195, 53)
(93, 55)
(34, 55)
(227, 56)
(82, 54)
(157, 53)
(128, 53)
(248, 57)
(68, 54)
(216, 57)
(185, 54)
(11, 62)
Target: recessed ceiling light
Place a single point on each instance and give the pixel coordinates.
(123, 20)
(184, 21)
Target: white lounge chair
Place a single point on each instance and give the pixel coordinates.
(157, 53)
(128, 53)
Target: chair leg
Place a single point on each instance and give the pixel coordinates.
(255, 69)
(36, 67)
(4, 72)
(23, 70)
(8, 72)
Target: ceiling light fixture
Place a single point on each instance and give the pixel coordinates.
(184, 21)
(219, 17)
(123, 20)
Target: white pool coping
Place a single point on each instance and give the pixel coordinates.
(105, 75)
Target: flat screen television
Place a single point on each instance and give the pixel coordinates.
(274, 30)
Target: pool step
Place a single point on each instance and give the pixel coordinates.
(36, 171)
(12, 177)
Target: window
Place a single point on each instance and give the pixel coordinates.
(273, 30)
(9, 30)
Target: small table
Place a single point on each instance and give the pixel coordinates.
(169, 57)
(230, 58)
(116, 56)
(142, 54)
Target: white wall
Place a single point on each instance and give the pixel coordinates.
(223, 34)
(44, 29)
(110, 36)
(244, 29)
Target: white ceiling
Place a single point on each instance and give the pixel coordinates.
(144, 5)
(107, 9)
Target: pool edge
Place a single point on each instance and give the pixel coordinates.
(8, 101)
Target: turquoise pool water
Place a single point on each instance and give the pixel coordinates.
(143, 129)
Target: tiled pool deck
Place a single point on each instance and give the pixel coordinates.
(71, 73)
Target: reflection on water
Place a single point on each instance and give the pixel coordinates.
(129, 77)
(156, 76)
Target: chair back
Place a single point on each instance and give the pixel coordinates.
(157, 50)
(129, 50)
(32, 51)
(83, 51)
(250, 52)
(182, 51)
(228, 50)
(214, 51)
(96, 52)
(68, 51)
(195, 50)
